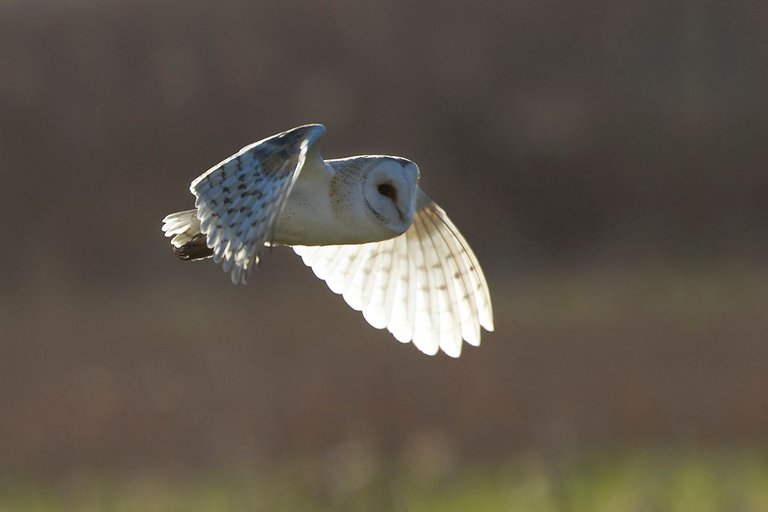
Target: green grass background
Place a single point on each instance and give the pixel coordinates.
(642, 481)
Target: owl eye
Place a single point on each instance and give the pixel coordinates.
(386, 189)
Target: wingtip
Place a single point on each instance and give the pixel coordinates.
(310, 131)
(429, 351)
(454, 352)
(319, 126)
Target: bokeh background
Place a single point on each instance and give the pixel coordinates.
(606, 160)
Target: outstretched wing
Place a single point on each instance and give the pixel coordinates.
(239, 200)
(424, 286)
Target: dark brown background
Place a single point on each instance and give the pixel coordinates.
(605, 159)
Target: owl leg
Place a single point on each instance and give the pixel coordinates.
(195, 249)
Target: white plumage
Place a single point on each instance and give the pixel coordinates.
(362, 225)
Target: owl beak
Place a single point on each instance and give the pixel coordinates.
(400, 214)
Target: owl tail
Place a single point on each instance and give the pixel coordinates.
(188, 241)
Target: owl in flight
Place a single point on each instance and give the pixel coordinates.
(361, 223)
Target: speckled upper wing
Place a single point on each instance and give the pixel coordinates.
(239, 200)
(424, 286)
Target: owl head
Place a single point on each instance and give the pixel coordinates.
(389, 192)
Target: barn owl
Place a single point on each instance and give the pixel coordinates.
(361, 223)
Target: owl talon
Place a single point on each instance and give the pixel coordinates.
(196, 249)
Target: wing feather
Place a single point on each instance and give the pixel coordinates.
(424, 286)
(401, 325)
(354, 293)
(426, 327)
(450, 324)
(375, 288)
(391, 283)
(467, 309)
(239, 200)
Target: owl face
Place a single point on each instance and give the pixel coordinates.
(389, 192)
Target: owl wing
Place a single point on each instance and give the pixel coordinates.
(239, 200)
(424, 286)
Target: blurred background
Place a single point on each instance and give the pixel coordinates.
(606, 160)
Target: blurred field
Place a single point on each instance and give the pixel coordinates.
(585, 357)
(349, 478)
